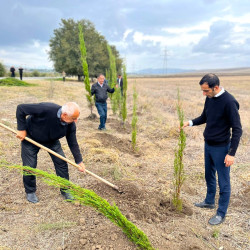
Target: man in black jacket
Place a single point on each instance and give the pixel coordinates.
(12, 70)
(100, 89)
(21, 73)
(120, 83)
(220, 115)
(46, 123)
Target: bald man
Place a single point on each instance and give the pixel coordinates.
(46, 123)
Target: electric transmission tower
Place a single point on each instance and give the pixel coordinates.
(165, 57)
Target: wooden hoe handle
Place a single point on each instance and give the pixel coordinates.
(60, 156)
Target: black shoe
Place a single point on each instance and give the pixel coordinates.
(101, 128)
(216, 220)
(67, 196)
(31, 197)
(203, 204)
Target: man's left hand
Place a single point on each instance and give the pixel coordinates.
(229, 160)
(81, 167)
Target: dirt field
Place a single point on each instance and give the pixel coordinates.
(145, 176)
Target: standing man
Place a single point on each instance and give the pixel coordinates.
(120, 83)
(47, 123)
(100, 89)
(220, 115)
(21, 73)
(12, 70)
(63, 75)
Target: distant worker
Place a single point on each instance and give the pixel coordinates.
(63, 75)
(120, 83)
(100, 89)
(46, 123)
(12, 70)
(21, 73)
(221, 114)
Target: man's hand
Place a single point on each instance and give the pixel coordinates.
(185, 124)
(81, 167)
(229, 160)
(21, 134)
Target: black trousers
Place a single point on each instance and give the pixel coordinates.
(29, 157)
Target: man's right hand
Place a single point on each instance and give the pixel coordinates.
(21, 134)
(185, 124)
(81, 167)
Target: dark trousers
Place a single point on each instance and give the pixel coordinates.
(214, 161)
(102, 111)
(29, 157)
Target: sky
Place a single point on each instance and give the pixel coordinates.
(185, 34)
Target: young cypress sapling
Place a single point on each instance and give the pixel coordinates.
(179, 176)
(85, 70)
(90, 198)
(134, 118)
(124, 97)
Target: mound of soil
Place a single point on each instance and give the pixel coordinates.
(139, 204)
(111, 141)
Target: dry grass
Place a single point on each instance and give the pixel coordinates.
(151, 169)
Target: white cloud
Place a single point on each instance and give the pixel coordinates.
(33, 55)
(139, 29)
(126, 33)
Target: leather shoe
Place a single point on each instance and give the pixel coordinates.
(203, 204)
(31, 197)
(216, 220)
(67, 196)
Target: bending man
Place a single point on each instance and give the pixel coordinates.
(47, 123)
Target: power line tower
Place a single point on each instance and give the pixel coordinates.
(165, 57)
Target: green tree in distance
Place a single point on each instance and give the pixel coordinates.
(65, 50)
(2, 70)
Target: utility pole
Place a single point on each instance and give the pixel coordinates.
(165, 55)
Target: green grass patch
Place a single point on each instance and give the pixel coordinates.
(9, 81)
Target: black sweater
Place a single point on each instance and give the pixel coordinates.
(44, 126)
(220, 115)
(100, 93)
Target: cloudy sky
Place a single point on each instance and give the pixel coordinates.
(186, 34)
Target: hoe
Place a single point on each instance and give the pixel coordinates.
(63, 158)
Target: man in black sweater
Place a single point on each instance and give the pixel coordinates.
(220, 115)
(46, 123)
(100, 89)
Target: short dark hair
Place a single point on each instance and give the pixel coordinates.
(100, 74)
(211, 79)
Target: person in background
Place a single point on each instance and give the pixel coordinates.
(220, 113)
(12, 70)
(120, 83)
(21, 73)
(100, 89)
(63, 75)
(46, 123)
